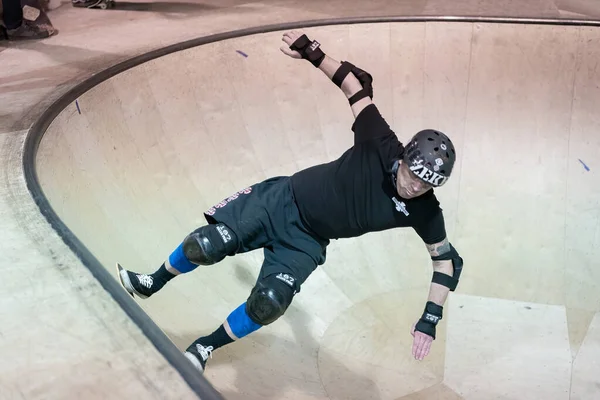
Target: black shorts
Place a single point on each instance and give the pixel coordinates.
(265, 216)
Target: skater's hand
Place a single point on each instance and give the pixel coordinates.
(289, 38)
(421, 343)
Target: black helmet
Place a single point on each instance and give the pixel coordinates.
(430, 155)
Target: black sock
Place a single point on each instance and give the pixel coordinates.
(216, 339)
(161, 277)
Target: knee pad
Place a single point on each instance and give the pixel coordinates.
(269, 299)
(210, 244)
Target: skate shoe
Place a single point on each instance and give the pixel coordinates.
(198, 355)
(102, 4)
(28, 31)
(136, 284)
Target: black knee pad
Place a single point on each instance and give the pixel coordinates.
(270, 298)
(210, 244)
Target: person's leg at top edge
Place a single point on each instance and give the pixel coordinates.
(17, 27)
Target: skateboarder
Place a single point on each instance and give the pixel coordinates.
(375, 185)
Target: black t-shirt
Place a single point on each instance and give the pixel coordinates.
(355, 194)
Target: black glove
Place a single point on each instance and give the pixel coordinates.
(309, 50)
(431, 316)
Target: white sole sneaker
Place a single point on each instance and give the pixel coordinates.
(194, 360)
(126, 282)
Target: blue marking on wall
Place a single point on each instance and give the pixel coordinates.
(584, 166)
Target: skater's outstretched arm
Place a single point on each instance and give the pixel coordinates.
(447, 265)
(354, 82)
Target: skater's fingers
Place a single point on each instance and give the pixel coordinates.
(288, 40)
(291, 36)
(415, 346)
(421, 345)
(421, 348)
(295, 33)
(427, 348)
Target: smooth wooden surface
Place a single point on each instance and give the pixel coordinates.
(157, 145)
(45, 288)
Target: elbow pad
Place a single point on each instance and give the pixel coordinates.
(457, 263)
(365, 79)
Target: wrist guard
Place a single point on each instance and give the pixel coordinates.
(365, 79)
(430, 318)
(309, 50)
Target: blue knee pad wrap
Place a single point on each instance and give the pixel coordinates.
(267, 302)
(240, 323)
(179, 261)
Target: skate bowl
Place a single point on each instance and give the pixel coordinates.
(125, 164)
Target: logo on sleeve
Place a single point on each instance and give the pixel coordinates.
(400, 206)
